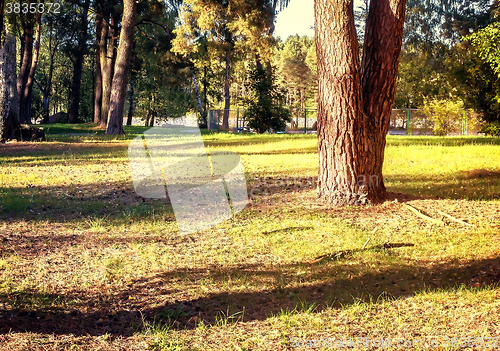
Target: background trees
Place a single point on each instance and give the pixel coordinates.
(194, 55)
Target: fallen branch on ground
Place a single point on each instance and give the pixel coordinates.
(454, 219)
(344, 253)
(423, 216)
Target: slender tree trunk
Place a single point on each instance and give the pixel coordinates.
(198, 98)
(98, 68)
(119, 85)
(27, 56)
(227, 94)
(28, 89)
(131, 99)
(205, 99)
(48, 85)
(108, 60)
(350, 125)
(74, 100)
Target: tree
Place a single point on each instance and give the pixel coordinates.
(266, 109)
(296, 61)
(355, 99)
(30, 46)
(74, 100)
(487, 44)
(9, 116)
(119, 85)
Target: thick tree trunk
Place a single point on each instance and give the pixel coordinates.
(27, 56)
(74, 100)
(119, 85)
(227, 94)
(351, 124)
(379, 70)
(9, 118)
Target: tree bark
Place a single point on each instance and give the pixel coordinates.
(227, 94)
(119, 85)
(48, 85)
(9, 116)
(131, 99)
(27, 55)
(379, 70)
(74, 100)
(351, 124)
(28, 89)
(98, 68)
(108, 60)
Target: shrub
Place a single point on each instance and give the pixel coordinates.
(447, 115)
(492, 128)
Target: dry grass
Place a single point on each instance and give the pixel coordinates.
(85, 264)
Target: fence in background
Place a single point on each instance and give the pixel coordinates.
(303, 121)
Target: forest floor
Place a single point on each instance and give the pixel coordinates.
(86, 264)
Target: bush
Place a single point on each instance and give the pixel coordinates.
(447, 115)
(492, 128)
(266, 103)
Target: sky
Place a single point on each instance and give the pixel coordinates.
(297, 18)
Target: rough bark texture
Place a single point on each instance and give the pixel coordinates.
(28, 89)
(74, 100)
(119, 85)
(108, 60)
(355, 100)
(379, 70)
(27, 55)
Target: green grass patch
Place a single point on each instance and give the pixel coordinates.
(84, 261)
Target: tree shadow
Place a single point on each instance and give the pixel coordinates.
(153, 300)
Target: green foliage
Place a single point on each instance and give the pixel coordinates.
(492, 128)
(163, 79)
(265, 110)
(447, 115)
(487, 43)
(296, 66)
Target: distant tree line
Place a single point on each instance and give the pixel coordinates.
(94, 58)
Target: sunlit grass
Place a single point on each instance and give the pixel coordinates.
(75, 238)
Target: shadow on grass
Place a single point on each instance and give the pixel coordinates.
(475, 185)
(79, 203)
(118, 200)
(336, 284)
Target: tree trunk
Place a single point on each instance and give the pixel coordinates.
(9, 116)
(119, 85)
(227, 94)
(108, 59)
(379, 70)
(351, 125)
(98, 69)
(198, 97)
(27, 55)
(48, 85)
(131, 100)
(74, 100)
(28, 89)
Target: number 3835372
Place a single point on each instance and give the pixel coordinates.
(24, 8)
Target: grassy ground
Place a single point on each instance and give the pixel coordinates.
(85, 264)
